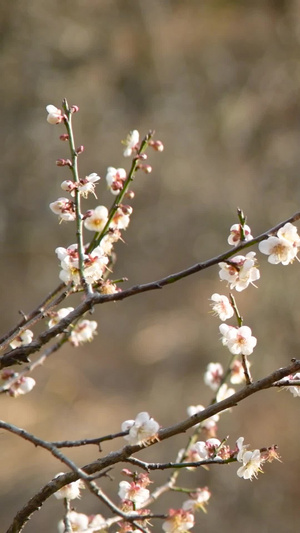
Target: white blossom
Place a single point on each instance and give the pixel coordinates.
(131, 143)
(199, 499)
(133, 492)
(282, 248)
(179, 521)
(251, 464)
(94, 264)
(207, 449)
(115, 178)
(97, 219)
(294, 390)
(54, 114)
(213, 375)
(22, 386)
(64, 208)
(224, 392)
(235, 237)
(24, 338)
(141, 429)
(222, 306)
(84, 331)
(240, 271)
(238, 340)
(57, 316)
(69, 491)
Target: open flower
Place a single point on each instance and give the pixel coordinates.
(240, 271)
(22, 386)
(283, 248)
(64, 208)
(84, 331)
(221, 306)
(115, 178)
(179, 521)
(199, 500)
(23, 339)
(97, 219)
(94, 264)
(238, 340)
(133, 492)
(141, 429)
(131, 143)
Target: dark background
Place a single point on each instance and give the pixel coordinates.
(219, 82)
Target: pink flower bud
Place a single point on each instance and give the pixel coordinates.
(64, 137)
(74, 108)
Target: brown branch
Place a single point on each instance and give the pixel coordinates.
(22, 353)
(124, 453)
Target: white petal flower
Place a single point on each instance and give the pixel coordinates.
(279, 250)
(207, 449)
(131, 142)
(240, 271)
(23, 339)
(21, 386)
(54, 114)
(294, 390)
(213, 375)
(235, 236)
(133, 492)
(141, 429)
(84, 331)
(115, 178)
(209, 423)
(97, 219)
(238, 340)
(222, 306)
(251, 464)
(69, 491)
(64, 208)
(200, 499)
(179, 521)
(224, 392)
(56, 316)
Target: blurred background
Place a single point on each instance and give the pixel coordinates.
(219, 81)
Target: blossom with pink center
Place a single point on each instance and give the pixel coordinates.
(235, 236)
(55, 115)
(131, 143)
(251, 464)
(213, 375)
(133, 492)
(141, 429)
(221, 306)
(94, 264)
(240, 271)
(238, 340)
(64, 208)
(97, 219)
(179, 521)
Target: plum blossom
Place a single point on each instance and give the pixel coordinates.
(251, 461)
(283, 248)
(235, 237)
(240, 271)
(179, 521)
(141, 429)
(84, 331)
(24, 338)
(57, 316)
(199, 500)
(121, 217)
(64, 208)
(115, 178)
(238, 340)
(131, 143)
(94, 264)
(23, 385)
(69, 491)
(213, 375)
(55, 115)
(97, 219)
(208, 449)
(82, 523)
(222, 307)
(133, 492)
(85, 186)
